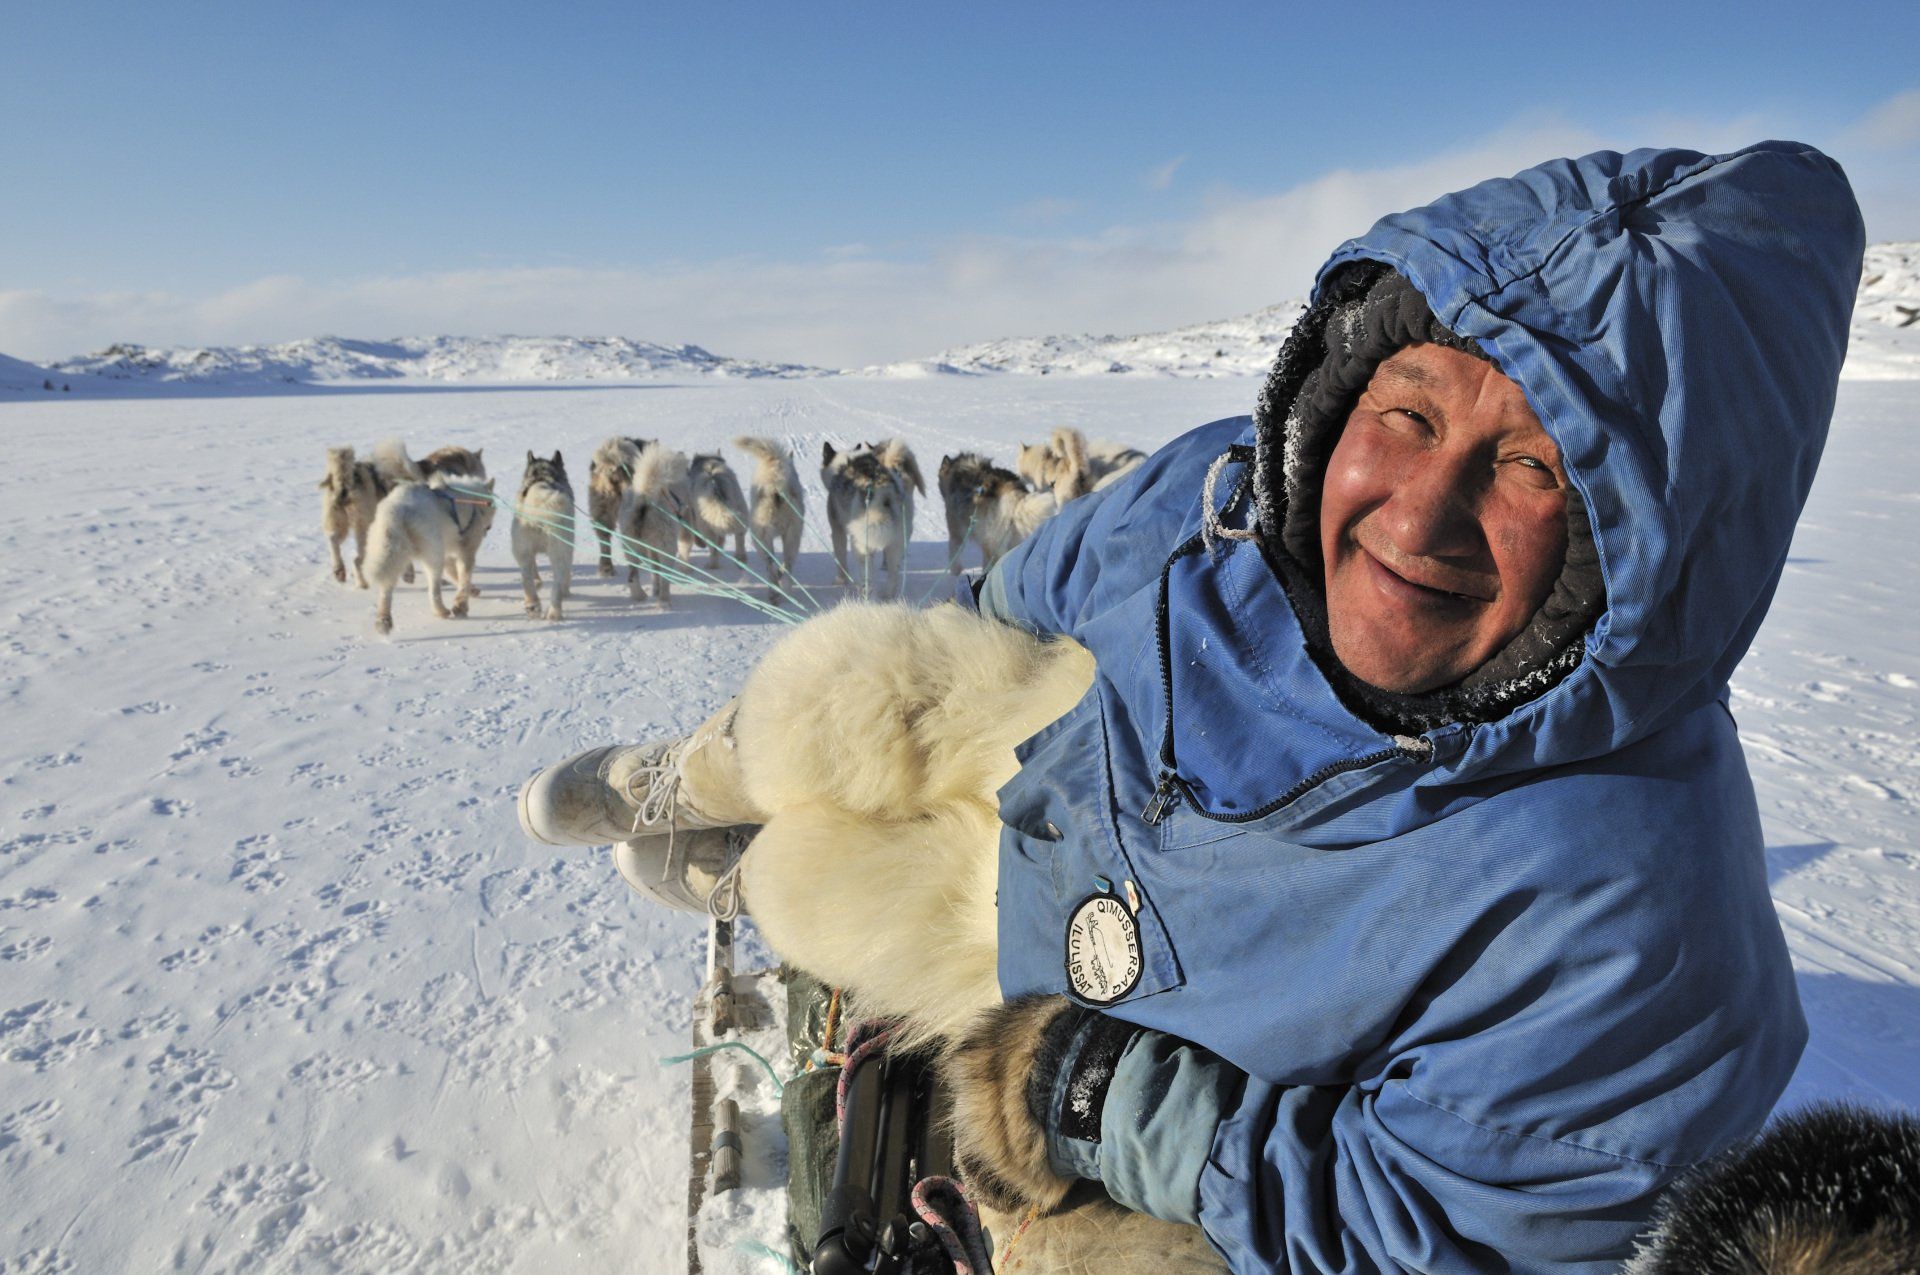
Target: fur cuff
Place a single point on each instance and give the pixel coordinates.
(999, 1145)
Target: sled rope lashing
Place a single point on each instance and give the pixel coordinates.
(1006, 1253)
(942, 1203)
(825, 1055)
(674, 1060)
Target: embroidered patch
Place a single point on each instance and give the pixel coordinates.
(1103, 950)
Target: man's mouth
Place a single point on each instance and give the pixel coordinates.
(1426, 592)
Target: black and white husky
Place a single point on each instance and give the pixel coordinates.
(958, 481)
(870, 491)
(1005, 512)
(776, 511)
(438, 524)
(543, 523)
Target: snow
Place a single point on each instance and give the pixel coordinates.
(285, 989)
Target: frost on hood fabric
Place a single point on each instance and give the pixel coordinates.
(1491, 987)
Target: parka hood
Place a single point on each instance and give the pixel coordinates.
(1677, 322)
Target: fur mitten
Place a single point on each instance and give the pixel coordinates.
(1029, 1073)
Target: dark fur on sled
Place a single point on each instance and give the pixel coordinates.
(1833, 1189)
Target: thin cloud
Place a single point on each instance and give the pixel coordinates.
(1162, 177)
(848, 307)
(1892, 125)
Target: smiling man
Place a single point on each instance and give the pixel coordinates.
(1410, 742)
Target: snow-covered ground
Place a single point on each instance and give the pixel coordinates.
(282, 987)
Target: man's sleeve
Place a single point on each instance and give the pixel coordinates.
(1347, 1179)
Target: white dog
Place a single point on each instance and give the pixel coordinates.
(718, 510)
(437, 527)
(777, 509)
(652, 510)
(543, 523)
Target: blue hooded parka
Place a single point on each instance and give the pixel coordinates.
(1464, 1001)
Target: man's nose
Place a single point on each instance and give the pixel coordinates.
(1434, 509)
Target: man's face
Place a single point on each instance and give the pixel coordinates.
(1443, 521)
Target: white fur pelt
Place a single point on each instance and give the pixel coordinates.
(608, 473)
(776, 511)
(652, 509)
(719, 510)
(874, 738)
(435, 527)
(350, 493)
(543, 523)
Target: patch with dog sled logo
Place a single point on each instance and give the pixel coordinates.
(1103, 950)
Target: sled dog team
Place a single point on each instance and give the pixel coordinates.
(656, 506)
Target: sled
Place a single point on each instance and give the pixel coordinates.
(849, 1199)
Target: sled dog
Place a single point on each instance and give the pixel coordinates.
(1005, 512)
(958, 479)
(777, 511)
(433, 525)
(657, 501)
(1832, 1188)
(870, 506)
(937, 700)
(349, 494)
(454, 462)
(543, 523)
(608, 474)
(718, 510)
(1071, 467)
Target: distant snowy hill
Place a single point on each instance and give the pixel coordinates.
(1886, 332)
(505, 359)
(1885, 345)
(1224, 347)
(19, 375)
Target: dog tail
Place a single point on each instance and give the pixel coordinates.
(389, 548)
(764, 450)
(658, 474)
(339, 480)
(896, 455)
(617, 456)
(1072, 476)
(391, 462)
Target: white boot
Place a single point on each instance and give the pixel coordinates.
(622, 791)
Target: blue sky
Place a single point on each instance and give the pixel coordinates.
(834, 183)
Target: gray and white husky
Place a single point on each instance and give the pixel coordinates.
(436, 526)
(870, 491)
(958, 480)
(719, 510)
(652, 510)
(543, 523)
(777, 510)
(1005, 512)
(608, 475)
(350, 493)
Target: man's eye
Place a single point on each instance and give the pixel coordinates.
(1538, 471)
(1410, 414)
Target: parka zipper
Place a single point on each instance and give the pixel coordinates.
(1169, 789)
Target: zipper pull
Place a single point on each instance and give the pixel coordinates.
(1164, 795)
